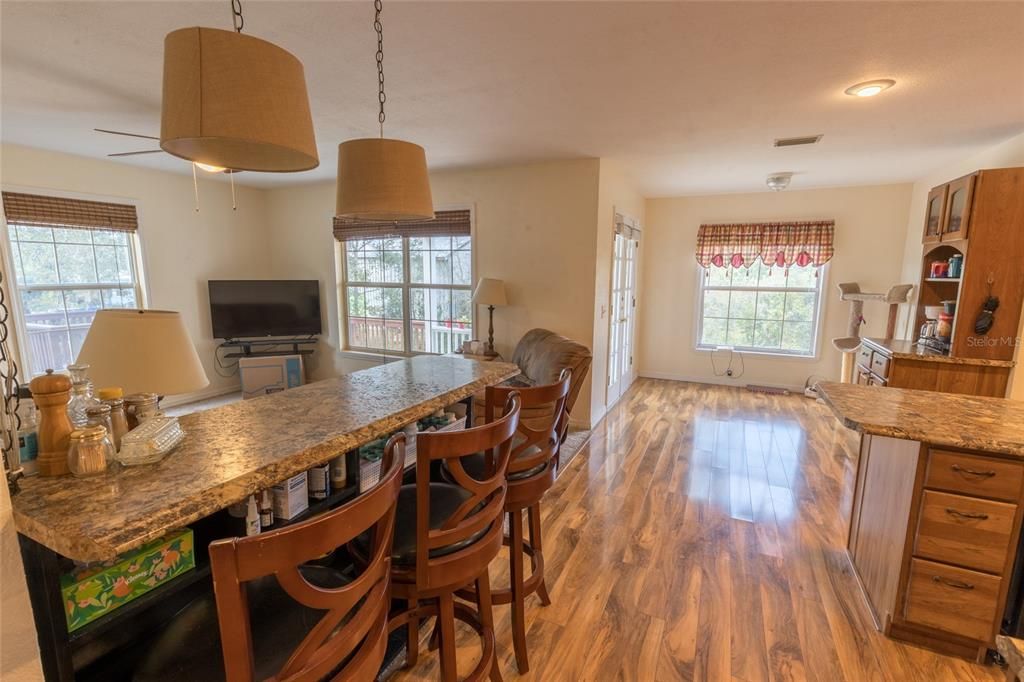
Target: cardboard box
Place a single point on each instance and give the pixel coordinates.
(291, 497)
(263, 375)
(94, 591)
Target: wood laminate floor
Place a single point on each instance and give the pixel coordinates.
(700, 536)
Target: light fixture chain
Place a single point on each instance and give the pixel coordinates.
(379, 28)
(236, 15)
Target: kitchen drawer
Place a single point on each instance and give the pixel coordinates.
(964, 530)
(880, 365)
(952, 599)
(974, 475)
(864, 356)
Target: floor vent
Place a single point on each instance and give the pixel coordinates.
(770, 390)
(797, 141)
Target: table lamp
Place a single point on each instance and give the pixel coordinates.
(490, 292)
(142, 351)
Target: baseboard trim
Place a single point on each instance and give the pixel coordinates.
(735, 383)
(205, 394)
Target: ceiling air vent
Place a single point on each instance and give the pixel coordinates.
(797, 141)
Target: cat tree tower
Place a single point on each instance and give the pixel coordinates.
(850, 291)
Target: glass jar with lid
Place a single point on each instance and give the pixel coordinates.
(90, 451)
(81, 400)
(140, 407)
(99, 415)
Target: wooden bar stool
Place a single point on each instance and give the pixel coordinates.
(275, 618)
(531, 472)
(447, 534)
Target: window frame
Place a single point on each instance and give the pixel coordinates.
(341, 267)
(14, 288)
(816, 323)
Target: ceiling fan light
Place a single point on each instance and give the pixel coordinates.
(210, 168)
(383, 180)
(235, 101)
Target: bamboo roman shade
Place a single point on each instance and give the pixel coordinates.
(445, 223)
(44, 211)
(777, 244)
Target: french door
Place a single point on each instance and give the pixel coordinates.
(621, 341)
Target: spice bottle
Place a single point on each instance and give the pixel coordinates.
(339, 473)
(140, 406)
(118, 417)
(90, 451)
(266, 505)
(99, 415)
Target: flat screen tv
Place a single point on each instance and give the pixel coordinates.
(242, 308)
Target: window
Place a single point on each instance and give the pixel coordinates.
(64, 275)
(408, 294)
(762, 309)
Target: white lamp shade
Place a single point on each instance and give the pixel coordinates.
(385, 180)
(235, 101)
(142, 351)
(490, 292)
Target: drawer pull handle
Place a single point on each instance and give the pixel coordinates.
(958, 584)
(972, 472)
(966, 515)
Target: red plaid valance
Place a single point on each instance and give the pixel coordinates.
(780, 244)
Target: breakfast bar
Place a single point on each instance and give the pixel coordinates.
(937, 508)
(229, 453)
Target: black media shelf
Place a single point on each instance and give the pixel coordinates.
(319, 506)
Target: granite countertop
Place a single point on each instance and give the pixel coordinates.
(945, 419)
(909, 350)
(231, 452)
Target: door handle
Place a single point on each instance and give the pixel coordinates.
(966, 515)
(958, 584)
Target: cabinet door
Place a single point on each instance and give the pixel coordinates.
(956, 220)
(934, 213)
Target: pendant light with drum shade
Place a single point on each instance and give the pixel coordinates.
(381, 179)
(234, 101)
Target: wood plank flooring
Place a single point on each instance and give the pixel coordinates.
(700, 536)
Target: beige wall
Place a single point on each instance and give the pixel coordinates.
(870, 223)
(534, 229)
(181, 249)
(1007, 154)
(616, 194)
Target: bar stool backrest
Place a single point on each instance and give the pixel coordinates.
(353, 630)
(481, 511)
(539, 440)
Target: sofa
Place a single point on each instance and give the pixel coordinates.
(542, 355)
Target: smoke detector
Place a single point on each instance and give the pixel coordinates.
(778, 181)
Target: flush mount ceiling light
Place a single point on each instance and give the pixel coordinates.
(381, 179)
(870, 88)
(235, 101)
(778, 181)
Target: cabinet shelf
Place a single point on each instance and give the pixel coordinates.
(942, 279)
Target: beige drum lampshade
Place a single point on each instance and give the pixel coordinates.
(142, 351)
(385, 180)
(490, 292)
(235, 101)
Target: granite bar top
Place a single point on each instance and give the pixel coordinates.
(909, 350)
(231, 452)
(946, 419)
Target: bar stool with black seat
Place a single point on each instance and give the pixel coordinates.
(531, 473)
(447, 534)
(272, 616)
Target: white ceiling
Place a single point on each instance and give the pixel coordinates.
(688, 96)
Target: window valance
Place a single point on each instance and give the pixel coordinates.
(46, 211)
(445, 223)
(778, 244)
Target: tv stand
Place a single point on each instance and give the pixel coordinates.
(247, 346)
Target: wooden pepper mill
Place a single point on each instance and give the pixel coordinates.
(51, 393)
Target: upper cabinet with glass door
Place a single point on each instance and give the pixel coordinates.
(948, 211)
(934, 214)
(957, 220)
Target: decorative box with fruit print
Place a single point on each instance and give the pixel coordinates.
(98, 589)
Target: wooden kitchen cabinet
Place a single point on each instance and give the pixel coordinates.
(956, 218)
(935, 211)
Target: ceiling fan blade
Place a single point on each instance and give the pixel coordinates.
(118, 132)
(148, 151)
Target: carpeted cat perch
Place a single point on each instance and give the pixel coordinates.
(850, 291)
